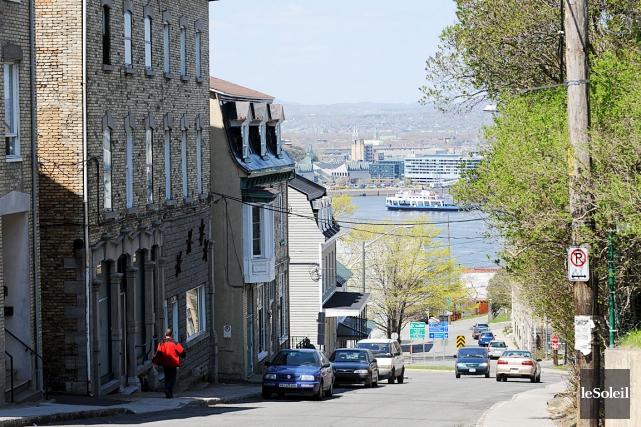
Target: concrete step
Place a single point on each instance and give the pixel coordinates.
(28, 396)
(19, 386)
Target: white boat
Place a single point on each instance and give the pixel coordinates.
(424, 200)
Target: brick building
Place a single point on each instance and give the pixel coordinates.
(20, 335)
(250, 172)
(123, 117)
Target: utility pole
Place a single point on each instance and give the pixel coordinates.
(577, 72)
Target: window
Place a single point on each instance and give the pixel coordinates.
(168, 125)
(128, 54)
(106, 35)
(149, 165)
(262, 320)
(171, 316)
(197, 54)
(199, 165)
(281, 215)
(183, 47)
(195, 311)
(257, 249)
(106, 156)
(141, 309)
(283, 306)
(148, 42)
(129, 166)
(183, 156)
(165, 34)
(11, 110)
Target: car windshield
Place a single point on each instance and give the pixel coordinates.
(348, 356)
(486, 334)
(295, 358)
(473, 352)
(382, 349)
(517, 354)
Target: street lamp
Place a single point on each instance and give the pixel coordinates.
(369, 243)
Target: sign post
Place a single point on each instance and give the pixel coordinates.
(555, 350)
(439, 331)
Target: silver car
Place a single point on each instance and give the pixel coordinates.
(495, 349)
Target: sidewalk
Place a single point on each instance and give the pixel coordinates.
(65, 408)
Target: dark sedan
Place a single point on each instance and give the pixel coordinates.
(472, 361)
(302, 371)
(477, 331)
(355, 365)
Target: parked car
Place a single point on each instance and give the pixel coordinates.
(354, 365)
(478, 329)
(303, 371)
(389, 355)
(496, 348)
(472, 361)
(485, 337)
(518, 364)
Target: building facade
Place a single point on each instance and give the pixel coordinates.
(20, 331)
(320, 307)
(250, 172)
(123, 118)
(438, 168)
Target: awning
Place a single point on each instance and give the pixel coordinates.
(354, 328)
(342, 274)
(345, 304)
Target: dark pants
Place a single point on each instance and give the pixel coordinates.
(170, 377)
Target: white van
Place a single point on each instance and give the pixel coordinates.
(389, 356)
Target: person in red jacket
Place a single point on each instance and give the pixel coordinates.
(168, 355)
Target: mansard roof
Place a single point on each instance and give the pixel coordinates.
(310, 189)
(231, 90)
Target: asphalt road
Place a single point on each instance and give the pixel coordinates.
(427, 398)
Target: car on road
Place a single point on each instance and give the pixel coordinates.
(480, 324)
(302, 371)
(472, 361)
(496, 348)
(389, 356)
(518, 364)
(354, 365)
(485, 337)
(478, 329)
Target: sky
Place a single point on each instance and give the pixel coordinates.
(330, 51)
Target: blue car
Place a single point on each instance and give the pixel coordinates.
(472, 361)
(301, 371)
(485, 338)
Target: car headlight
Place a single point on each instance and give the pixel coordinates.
(307, 377)
(270, 376)
(360, 371)
(384, 367)
(484, 365)
(461, 365)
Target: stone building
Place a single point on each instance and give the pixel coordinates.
(20, 333)
(124, 179)
(250, 172)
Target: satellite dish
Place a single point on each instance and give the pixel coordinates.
(394, 336)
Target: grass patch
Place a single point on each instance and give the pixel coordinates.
(501, 318)
(633, 339)
(431, 368)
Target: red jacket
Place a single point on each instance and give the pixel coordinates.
(171, 353)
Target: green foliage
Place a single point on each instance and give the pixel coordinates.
(342, 206)
(633, 339)
(499, 290)
(408, 272)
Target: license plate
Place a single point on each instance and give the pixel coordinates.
(287, 385)
(514, 369)
(472, 369)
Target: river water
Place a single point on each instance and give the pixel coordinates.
(466, 229)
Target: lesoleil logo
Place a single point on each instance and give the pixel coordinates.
(614, 396)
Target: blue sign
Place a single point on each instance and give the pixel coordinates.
(439, 331)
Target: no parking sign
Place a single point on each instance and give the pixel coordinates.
(578, 264)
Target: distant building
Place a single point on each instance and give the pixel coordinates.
(387, 169)
(438, 168)
(362, 152)
(352, 172)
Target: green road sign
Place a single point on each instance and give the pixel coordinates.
(417, 330)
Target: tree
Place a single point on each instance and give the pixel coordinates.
(506, 46)
(408, 272)
(499, 290)
(342, 206)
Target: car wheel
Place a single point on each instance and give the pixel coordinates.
(266, 394)
(458, 375)
(321, 392)
(330, 390)
(487, 375)
(392, 378)
(538, 378)
(401, 377)
(504, 379)
(533, 378)
(498, 378)
(368, 381)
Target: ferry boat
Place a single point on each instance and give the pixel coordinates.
(421, 201)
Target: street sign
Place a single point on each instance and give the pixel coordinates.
(578, 264)
(439, 331)
(460, 341)
(417, 329)
(555, 339)
(555, 346)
